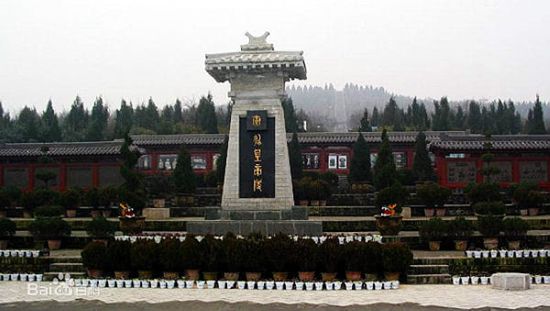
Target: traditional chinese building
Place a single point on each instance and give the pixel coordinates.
(456, 157)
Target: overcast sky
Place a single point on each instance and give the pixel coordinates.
(137, 49)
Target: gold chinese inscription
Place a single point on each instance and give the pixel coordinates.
(258, 172)
(256, 120)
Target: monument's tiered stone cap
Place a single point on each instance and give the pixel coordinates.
(256, 55)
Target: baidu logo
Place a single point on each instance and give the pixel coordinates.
(62, 285)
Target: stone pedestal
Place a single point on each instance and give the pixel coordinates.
(156, 213)
(511, 281)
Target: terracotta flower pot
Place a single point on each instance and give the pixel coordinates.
(434, 245)
(490, 243)
(280, 276)
(210, 276)
(171, 275)
(461, 245)
(328, 276)
(513, 245)
(303, 202)
(122, 275)
(132, 225)
(159, 203)
(429, 212)
(27, 214)
(3, 213)
(323, 203)
(533, 211)
(94, 273)
(391, 276)
(231, 276)
(145, 274)
(54, 244)
(192, 274)
(388, 225)
(106, 213)
(252, 276)
(71, 213)
(314, 202)
(524, 212)
(306, 276)
(95, 213)
(440, 212)
(3, 244)
(353, 275)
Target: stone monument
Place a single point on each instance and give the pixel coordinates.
(257, 190)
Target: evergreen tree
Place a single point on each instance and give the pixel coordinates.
(393, 116)
(375, 119)
(124, 119)
(422, 165)
(132, 191)
(295, 157)
(536, 125)
(291, 122)
(178, 112)
(474, 120)
(184, 177)
(221, 161)
(360, 170)
(459, 119)
(514, 119)
(28, 124)
(98, 121)
(50, 125)
(166, 125)
(206, 115)
(152, 118)
(442, 118)
(76, 122)
(384, 167)
(365, 124)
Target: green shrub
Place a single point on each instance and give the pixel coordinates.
(170, 255)
(190, 253)
(397, 257)
(107, 196)
(46, 197)
(395, 194)
(158, 186)
(211, 254)
(354, 256)
(432, 195)
(483, 192)
(119, 255)
(101, 228)
(489, 225)
(7, 228)
(279, 252)
(211, 179)
(94, 256)
(254, 255)
(330, 178)
(50, 228)
(526, 195)
(12, 194)
(184, 177)
(434, 229)
(70, 199)
(372, 258)
(49, 211)
(305, 255)
(91, 198)
(4, 200)
(329, 256)
(461, 228)
(515, 227)
(144, 255)
(490, 208)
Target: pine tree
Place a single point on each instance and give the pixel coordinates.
(178, 112)
(360, 170)
(124, 119)
(393, 116)
(365, 124)
(295, 157)
(536, 125)
(132, 191)
(152, 118)
(28, 124)
(206, 115)
(384, 167)
(98, 121)
(50, 125)
(291, 122)
(221, 161)
(442, 118)
(422, 165)
(474, 120)
(375, 119)
(184, 177)
(76, 122)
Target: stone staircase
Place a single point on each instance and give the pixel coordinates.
(65, 264)
(429, 271)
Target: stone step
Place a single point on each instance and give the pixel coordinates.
(433, 260)
(67, 267)
(429, 269)
(429, 279)
(49, 276)
(65, 259)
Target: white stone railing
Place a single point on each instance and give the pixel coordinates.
(503, 253)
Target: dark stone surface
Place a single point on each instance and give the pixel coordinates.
(299, 212)
(244, 227)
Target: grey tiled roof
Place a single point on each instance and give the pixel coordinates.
(498, 142)
(179, 139)
(61, 149)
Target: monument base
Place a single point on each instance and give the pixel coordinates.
(294, 213)
(245, 227)
(156, 213)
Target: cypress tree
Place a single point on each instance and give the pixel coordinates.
(76, 122)
(295, 156)
(536, 125)
(365, 124)
(474, 121)
(28, 124)
(124, 119)
(375, 119)
(291, 121)
(206, 115)
(178, 112)
(221, 161)
(384, 167)
(360, 170)
(422, 165)
(98, 121)
(51, 130)
(184, 177)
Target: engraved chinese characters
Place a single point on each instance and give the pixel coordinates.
(257, 172)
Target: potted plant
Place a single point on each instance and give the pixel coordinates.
(191, 257)
(94, 258)
(353, 260)
(50, 228)
(100, 229)
(211, 249)
(300, 188)
(306, 252)
(330, 258)
(120, 259)
(107, 198)
(7, 230)
(515, 229)
(70, 200)
(434, 231)
(496, 208)
(4, 203)
(9, 196)
(527, 198)
(144, 254)
(278, 252)
(490, 227)
(372, 261)
(170, 258)
(460, 230)
(28, 203)
(434, 198)
(390, 201)
(253, 256)
(397, 257)
(158, 186)
(234, 252)
(92, 199)
(184, 177)
(314, 192)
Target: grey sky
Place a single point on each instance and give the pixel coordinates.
(136, 49)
